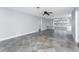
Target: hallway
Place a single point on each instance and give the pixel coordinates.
(45, 41)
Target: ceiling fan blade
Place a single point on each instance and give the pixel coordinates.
(50, 12)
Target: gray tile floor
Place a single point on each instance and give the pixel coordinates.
(46, 41)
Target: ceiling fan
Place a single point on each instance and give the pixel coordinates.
(47, 13)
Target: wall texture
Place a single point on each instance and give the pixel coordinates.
(14, 23)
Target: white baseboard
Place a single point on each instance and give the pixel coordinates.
(7, 38)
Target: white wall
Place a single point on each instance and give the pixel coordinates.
(77, 25)
(13, 23)
(73, 23)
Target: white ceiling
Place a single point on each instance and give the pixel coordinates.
(57, 11)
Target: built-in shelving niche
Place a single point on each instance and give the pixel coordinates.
(61, 24)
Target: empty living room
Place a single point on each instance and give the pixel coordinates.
(39, 29)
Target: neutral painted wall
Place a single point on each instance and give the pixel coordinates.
(73, 23)
(77, 25)
(14, 23)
